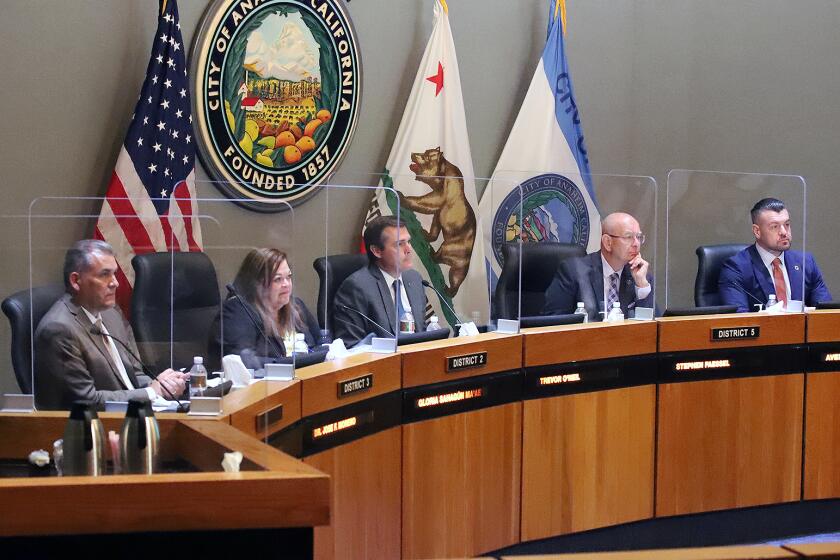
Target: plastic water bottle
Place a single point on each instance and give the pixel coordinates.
(581, 310)
(198, 377)
(615, 316)
(300, 343)
(434, 324)
(771, 301)
(407, 322)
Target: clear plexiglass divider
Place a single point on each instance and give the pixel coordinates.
(552, 221)
(719, 257)
(201, 286)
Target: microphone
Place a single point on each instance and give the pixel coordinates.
(743, 291)
(96, 330)
(357, 312)
(234, 294)
(442, 299)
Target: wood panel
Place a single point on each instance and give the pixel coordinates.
(461, 483)
(283, 493)
(366, 500)
(758, 552)
(824, 325)
(817, 550)
(425, 363)
(243, 406)
(591, 341)
(587, 461)
(320, 382)
(822, 436)
(729, 443)
(694, 333)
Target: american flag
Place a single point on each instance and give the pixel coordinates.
(150, 203)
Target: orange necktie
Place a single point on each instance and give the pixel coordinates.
(779, 281)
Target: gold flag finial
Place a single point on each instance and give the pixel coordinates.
(560, 6)
(445, 7)
(163, 7)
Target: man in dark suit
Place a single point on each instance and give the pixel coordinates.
(74, 363)
(770, 266)
(366, 301)
(615, 273)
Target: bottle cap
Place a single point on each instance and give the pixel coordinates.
(616, 305)
(198, 360)
(433, 319)
(580, 304)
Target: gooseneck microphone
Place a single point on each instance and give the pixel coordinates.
(442, 299)
(96, 330)
(357, 312)
(746, 293)
(234, 294)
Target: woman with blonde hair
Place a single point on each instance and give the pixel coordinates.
(264, 286)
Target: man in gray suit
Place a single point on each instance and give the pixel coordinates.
(615, 273)
(75, 359)
(365, 302)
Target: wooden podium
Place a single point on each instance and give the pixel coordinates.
(462, 430)
(822, 407)
(730, 411)
(588, 428)
(194, 503)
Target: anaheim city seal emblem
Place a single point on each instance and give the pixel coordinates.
(277, 86)
(548, 207)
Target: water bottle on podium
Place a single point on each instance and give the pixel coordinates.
(198, 377)
(616, 315)
(434, 323)
(581, 310)
(407, 323)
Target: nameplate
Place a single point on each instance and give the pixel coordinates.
(269, 417)
(355, 385)
(735, 333)
(702, 365)
(342, 424)
(467, 361)
(450, 397)
(559, 379)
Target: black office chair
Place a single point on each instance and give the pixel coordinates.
(192, 307)
(24, 315)
(332, 270)
(539, 263)
(709, 260)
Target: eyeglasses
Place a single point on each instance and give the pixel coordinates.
(629, 237)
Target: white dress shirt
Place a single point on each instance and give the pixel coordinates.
(767, 258)
(403, 294)
(115, 355)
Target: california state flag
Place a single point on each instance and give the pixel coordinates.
(430, 165)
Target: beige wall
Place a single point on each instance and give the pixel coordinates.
(739, 86)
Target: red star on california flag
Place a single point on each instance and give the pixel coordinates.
(437, 79)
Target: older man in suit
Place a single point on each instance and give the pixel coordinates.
(374, 298)
(616, 273)
(76, 357)
(770, 266)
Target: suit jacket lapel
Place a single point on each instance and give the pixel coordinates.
(762, 275)
(415, 302)
(97, 341)
(596, 282)
(387, 300)
(794, 265)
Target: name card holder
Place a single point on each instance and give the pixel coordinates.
(383, 345)
(205, 406)
(279, 372)
(507, 326)
(13, 402)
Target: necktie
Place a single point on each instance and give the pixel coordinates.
(612, 294)
(398, 299)
(116, 360)
(779, 281)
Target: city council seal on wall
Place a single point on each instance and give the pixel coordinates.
(277, 86)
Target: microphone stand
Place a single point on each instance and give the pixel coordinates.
(95, 330)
